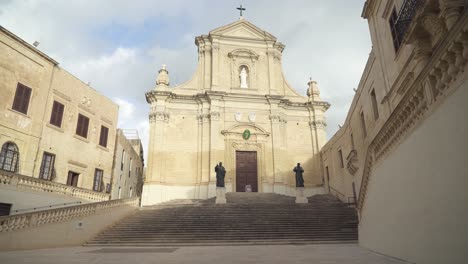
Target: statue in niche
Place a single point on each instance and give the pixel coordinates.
(243, 78)
(299, 178)
(220, 173)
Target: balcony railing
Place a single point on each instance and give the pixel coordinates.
(405, 16)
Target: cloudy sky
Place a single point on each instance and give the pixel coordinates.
(118, 45)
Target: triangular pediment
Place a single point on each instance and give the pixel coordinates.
(242, 29)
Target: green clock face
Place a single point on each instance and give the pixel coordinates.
(246, 134)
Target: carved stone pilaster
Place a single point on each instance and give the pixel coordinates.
(451, 11)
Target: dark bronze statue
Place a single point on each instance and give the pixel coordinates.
(220, 173)
(299, 179)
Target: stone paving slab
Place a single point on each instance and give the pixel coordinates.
(310, 254)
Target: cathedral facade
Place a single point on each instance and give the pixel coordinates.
(237, 109)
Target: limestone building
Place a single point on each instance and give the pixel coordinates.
(54, 128)
(127, 171)
(401, 152)
(237, 109)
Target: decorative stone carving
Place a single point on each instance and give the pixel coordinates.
(252, 117)
(238, 116)
(202, 118)
(275, 118)
(451, 10)
(86, 101)
(352, 162)
(318, 124)
(214, 116)
(434, 26)
(159, 116)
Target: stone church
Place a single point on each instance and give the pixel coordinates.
(237, 109)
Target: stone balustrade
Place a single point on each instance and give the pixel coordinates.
(35, 219)
(23, 182)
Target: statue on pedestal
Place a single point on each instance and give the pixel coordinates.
(243, 78)
(299, 179)
(220, 173)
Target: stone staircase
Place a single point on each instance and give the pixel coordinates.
(247, 218)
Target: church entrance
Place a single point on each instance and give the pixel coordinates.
(246, 171)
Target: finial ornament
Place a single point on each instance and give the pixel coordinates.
(240, 8)
(162, 81)
(312, 91)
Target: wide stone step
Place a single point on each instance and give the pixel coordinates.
(245, 223)
(225, 243)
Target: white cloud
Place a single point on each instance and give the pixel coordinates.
(325, 40)
(126, 112)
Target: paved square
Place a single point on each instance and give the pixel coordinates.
(310, 254)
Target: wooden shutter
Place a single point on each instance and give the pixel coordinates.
(103, 136)
(22, 96)
(82, 126)
(57, 114)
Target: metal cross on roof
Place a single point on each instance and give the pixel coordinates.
(240, 9)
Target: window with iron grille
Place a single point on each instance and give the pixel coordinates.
(82, 126)
(103, 136)
(22, 96)
(57, 114)
(9, 157)
(97, 180)
(393, 28)
(47, 166)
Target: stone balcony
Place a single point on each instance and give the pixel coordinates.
(22, 182)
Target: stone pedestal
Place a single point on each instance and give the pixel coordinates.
(300, 198)
(220, 195)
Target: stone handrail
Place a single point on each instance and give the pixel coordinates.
(35, 219)
(30, 183)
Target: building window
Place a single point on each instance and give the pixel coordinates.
(82, 126)
(393, 28)
(130, 167)
(22, 96)
(98, 180)
(120, 193)
(103, 136)
(9, 157)
(340, 157)
(374, 105)
(47, 166)
(122, 161)
(131, 192)
(57, 114)
(363, 125)
(108, 188)
(352, 141)
(72, 178)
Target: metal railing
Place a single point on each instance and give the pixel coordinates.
(405, 16)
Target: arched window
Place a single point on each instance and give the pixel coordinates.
(9, 157)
